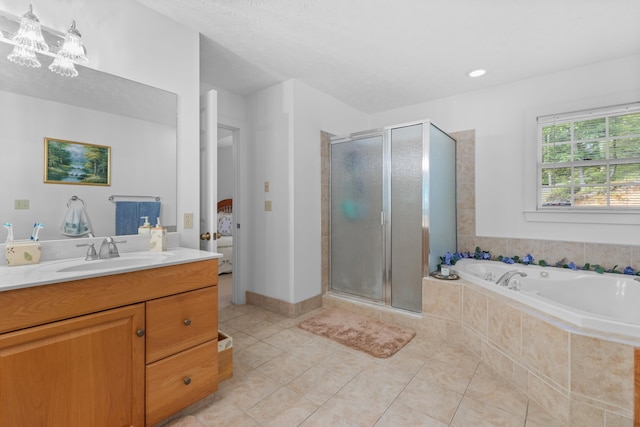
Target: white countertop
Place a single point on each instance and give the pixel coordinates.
(49, 272)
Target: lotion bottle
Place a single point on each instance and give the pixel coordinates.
(158, 242)
(146, 227)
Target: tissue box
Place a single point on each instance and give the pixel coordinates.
(22, 253)
(158, 242)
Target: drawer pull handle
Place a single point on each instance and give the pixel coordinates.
(187, 322)
(187, 380)
(140, 332)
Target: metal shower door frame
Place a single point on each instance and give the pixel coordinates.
(386, 211)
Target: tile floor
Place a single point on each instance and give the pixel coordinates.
(284, 376)
(225, 289)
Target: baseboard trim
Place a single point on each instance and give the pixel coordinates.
(284, 308)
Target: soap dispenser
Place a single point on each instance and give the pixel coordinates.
(158, 241)
(146, 227)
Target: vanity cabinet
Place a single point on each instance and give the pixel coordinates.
(85, 371)
(126, 349)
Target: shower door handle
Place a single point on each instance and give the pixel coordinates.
(382, 218)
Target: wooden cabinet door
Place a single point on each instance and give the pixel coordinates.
(85, 371)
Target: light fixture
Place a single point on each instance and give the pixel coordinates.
(29, 40)
(72, 50)
(24, 56)
(64, 67)
(477, 73)
(30, 34)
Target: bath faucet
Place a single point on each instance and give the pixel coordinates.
(506, 277)
(108, 248)
(91, 251)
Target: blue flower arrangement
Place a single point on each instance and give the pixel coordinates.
(451, 258)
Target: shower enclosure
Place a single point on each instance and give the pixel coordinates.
(393, 211)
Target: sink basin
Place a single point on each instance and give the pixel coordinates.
(104, 264)
(124, 261)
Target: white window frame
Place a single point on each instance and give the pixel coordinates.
(544, 121)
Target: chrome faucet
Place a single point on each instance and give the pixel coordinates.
(108, 248)
(91, 251)
(506, 277)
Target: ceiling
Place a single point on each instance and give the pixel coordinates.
(377, 55)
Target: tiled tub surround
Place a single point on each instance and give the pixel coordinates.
(580, 377)
(605, 303)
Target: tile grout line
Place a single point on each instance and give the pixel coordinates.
(398, 395)
(475, 372)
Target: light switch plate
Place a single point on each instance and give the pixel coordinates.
(21, 204)
(266, 186)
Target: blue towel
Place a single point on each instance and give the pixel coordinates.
(126, 218)
(128, 215)
(150, 209)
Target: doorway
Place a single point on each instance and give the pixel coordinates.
(226, 132)
(227, 184)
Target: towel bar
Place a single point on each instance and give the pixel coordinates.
(157, 198)
(75, 199)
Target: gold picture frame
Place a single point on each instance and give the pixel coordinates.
(71, 162)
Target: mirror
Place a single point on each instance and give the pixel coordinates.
(136, 121)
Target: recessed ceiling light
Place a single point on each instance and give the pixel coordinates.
(477, 73)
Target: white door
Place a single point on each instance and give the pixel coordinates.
(208, 170)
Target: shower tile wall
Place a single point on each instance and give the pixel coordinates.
(466, 187)
(325, 152)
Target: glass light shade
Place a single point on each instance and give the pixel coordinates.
(73, 49)
(29, 34)
(24, 56)
(64, 67)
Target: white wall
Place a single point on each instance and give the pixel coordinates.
(135, 168)
(226, 173)
(504, 118)
(129, 40)
(314, 111)
(283, 147)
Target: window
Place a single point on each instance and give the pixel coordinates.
(590, 159)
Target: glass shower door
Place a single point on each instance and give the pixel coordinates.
(357, 253)
(407, 158)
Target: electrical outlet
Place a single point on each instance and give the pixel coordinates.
(188, 220)
(267, 205)
(266, 186)
(21, 204)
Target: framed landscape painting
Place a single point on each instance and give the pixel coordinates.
(70, 162)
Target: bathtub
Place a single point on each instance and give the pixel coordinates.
(608, 303)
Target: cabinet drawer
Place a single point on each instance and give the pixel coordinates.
(181, 321)
(181, 380)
